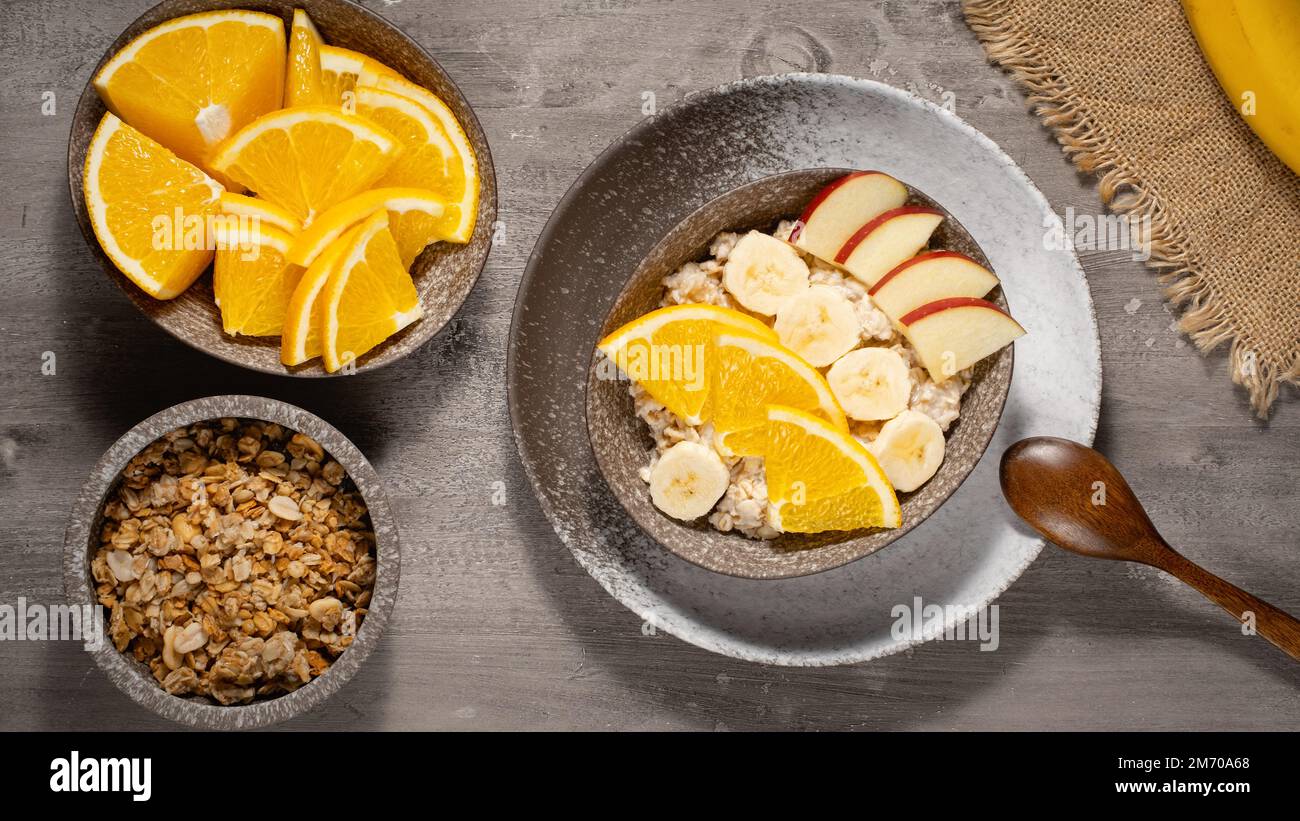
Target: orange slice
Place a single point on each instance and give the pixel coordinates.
(667, 352)
(340, 70)
(149, 208)
(819, 477)
(372, 70)
(302, 82)
(414, 215)
(252, 280)
(193, 81)
(300, 340)
(369, 296)
(426, 161)
(257, 211)
(748, 372)
(307, 159)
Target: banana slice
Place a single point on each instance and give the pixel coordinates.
(910, 449)
(819, 324)
(762, 272)
(688, 480)
(870, 383)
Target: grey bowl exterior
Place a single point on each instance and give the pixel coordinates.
(132, 677)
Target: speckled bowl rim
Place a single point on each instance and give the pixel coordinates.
(885, 537)
(132, 677)
(487, 198)
(689, 630)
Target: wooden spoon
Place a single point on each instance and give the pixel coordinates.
(1077, 499)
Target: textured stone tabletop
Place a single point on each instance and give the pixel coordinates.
(496, 626)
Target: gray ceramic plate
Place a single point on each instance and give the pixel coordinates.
(444, 273)
(970, 549)
(132, 677)
(621, 443)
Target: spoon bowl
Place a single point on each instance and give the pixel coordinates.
(1076, 498)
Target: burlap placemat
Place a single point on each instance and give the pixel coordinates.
(1124, 87)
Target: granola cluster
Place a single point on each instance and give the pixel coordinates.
(236, 560)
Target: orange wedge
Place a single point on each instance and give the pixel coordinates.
(307, 159)
(252, 280)
(748, 372)
(428, 159)
(437, 153)
(300, 340)
(369, 295)
(668, 351)
(818, 476)
(193, 81)
(372, 70)
(258, 211)
(302, 82)
(340, 70)
(149, 208)
(413, 218)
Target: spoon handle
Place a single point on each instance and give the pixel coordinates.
(1280, 628)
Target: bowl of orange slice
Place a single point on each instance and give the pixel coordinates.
(297, 187)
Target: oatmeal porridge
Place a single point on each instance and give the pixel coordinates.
(743, 506)
(838, 348)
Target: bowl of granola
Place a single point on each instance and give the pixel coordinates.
(242, 555)
(799, 373)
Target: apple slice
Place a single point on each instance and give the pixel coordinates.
(842, 207)
(952, 334)
(883, 243)
(928, 277)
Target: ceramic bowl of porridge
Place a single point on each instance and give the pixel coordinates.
(824, 356)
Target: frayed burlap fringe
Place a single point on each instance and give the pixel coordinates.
(1121, 188)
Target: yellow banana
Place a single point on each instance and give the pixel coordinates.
(1253, 47)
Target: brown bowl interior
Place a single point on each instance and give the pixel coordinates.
(622, 444)
(444, 273)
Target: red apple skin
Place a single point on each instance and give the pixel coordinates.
(861, 234)
(820, 197)
(903, 266)
(951, 302)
